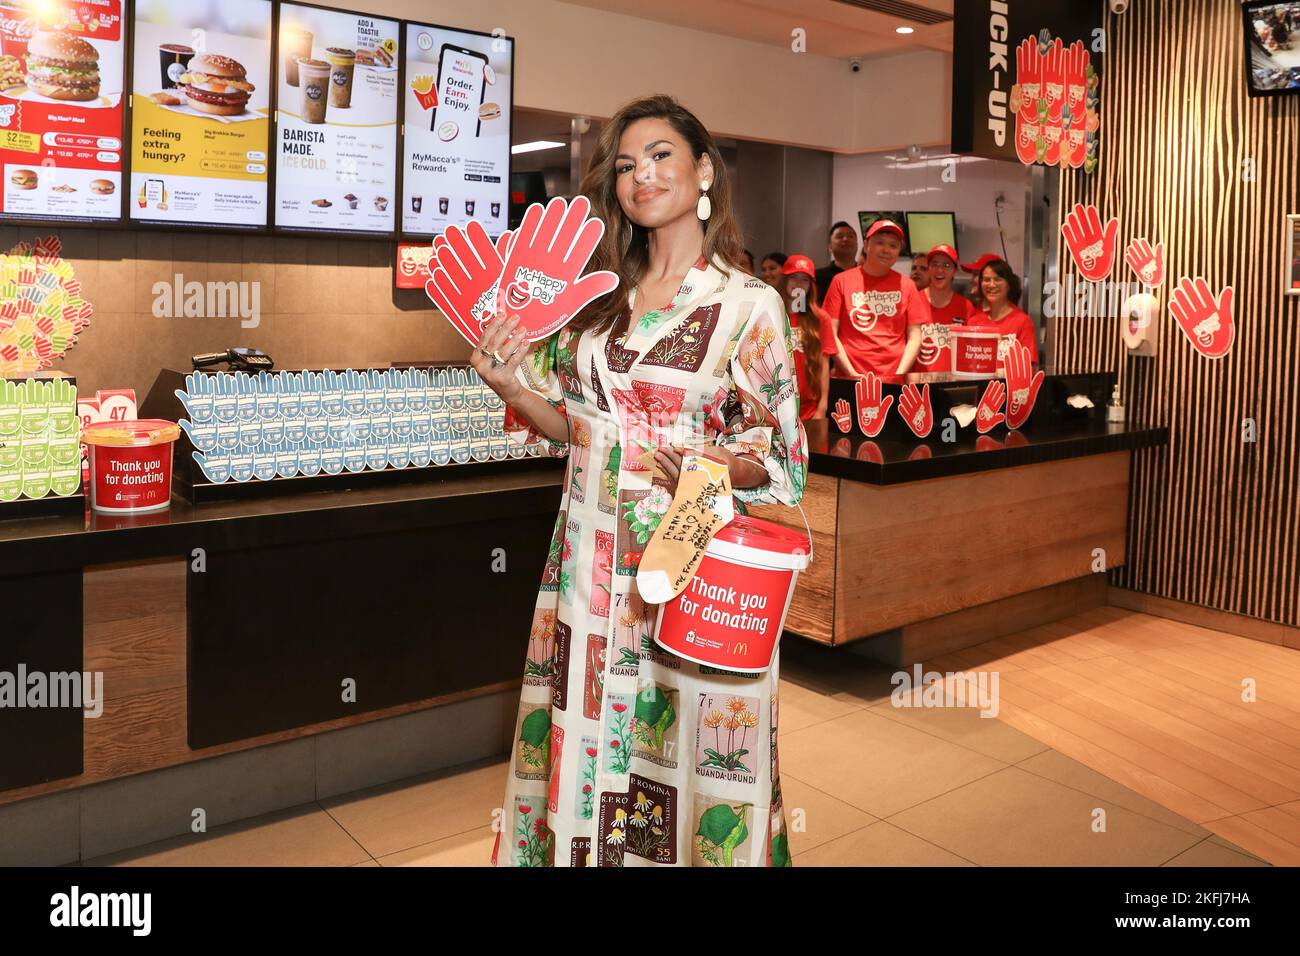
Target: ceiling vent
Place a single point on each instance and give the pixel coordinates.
(902, 10)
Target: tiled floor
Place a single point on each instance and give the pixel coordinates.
(866, 783)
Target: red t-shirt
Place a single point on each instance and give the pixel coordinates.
(1014, 325)
(873, 315)
(936, 344)
(807, 400)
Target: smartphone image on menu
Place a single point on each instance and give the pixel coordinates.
(460, 92)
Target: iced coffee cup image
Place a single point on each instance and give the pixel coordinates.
(296, 45)
(314, 79)
(342, 65)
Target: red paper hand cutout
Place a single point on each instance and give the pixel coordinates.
(843, 415)
(1029, 74)
(914, 406)
(1076, 80)
(1023, 384)
(463, 274)
(1092, 247)
(1149, 266)
(542, 281)
(989, 415)
(1207, 323)
(1054, 80)
(872, 410)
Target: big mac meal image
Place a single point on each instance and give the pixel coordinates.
(216, 84)
(62, 67)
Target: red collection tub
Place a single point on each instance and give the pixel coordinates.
(974, 352)
(732, 613)
(130, 465)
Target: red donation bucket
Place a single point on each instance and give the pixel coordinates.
(974, 352)
(130, 465)
(731, 614)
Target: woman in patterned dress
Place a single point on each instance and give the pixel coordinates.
(625, 755)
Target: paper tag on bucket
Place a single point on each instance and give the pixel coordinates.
(700, 508)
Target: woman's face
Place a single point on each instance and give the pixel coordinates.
(656, 178)
(771, 272)
(799, 287)
(993, 287)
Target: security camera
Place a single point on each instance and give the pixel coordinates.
(855, 65)
(1118, 6)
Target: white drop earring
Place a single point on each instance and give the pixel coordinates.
(704, 208)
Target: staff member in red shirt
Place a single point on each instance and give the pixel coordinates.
(946, 309)
(812, 338)
(877, 312)
(1000, 287)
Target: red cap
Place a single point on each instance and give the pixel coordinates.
(799, 264)
(943, 249)
(885, 225)
(975, 267)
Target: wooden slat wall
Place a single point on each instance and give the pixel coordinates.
(1214, 521)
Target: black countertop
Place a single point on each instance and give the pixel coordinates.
(525, 486)
(890, 462)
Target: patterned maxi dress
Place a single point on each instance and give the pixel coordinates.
(625, 755)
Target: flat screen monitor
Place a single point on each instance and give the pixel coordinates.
(62, 111)
(336, 132)
(456, 152)
(925, 230)
(1272, 42)
(200, 117)
(865, 220)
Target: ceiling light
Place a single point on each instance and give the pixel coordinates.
(904, 30)
(535, 146)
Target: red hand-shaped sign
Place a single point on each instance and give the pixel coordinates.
(1149, 266)
(542, 281)
(872, 410)
(989, 415)
(463, 274)
(1054, 80)
(1076, 80)
(1207, 323)
(1029, 72)
(843, 415)
(1092, 247)
(1023, 384)
(914, 406)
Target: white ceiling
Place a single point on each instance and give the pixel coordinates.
(831, 28)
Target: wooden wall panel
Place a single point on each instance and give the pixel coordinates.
(1190, 160)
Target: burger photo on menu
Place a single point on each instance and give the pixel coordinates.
(61, 109)
(61, 66)
(200, 123)
(217, 85)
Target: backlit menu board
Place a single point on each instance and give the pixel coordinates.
(456, 149)
(336, 131)
(200, 118)
(61, 73)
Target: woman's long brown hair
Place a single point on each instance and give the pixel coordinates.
(625, 248)
(810, 332)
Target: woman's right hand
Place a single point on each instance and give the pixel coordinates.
(500, 336)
